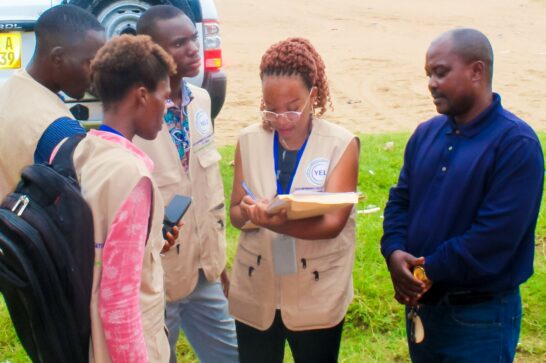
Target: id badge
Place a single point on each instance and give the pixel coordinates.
(284, 255)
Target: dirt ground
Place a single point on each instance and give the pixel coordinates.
(374, 53)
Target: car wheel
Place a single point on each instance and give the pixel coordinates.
(121, 16)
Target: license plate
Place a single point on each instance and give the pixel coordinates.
(10, 50)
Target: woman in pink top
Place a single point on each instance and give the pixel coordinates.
(131, 75)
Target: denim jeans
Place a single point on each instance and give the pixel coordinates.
(485, 332)
(206, 322)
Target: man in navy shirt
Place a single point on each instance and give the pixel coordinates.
(459, 225)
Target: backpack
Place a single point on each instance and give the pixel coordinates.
(46, 260)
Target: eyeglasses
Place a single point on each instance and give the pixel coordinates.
(290, 116)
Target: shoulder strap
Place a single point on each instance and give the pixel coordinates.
(63, 161)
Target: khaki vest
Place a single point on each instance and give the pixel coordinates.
(202, 242)
(27, 108)
(318, 294)
(108, 173)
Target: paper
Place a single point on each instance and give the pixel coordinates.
(311, 204)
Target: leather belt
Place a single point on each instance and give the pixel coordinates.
(458, 298)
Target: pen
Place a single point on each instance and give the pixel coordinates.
(247, 190)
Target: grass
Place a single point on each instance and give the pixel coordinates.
(374, 325)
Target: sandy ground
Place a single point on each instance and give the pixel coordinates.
(374, 53)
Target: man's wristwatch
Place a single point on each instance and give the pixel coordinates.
(420, 274)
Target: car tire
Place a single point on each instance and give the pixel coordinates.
(120, 16)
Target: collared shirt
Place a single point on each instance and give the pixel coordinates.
(176, 119)
(467, 199)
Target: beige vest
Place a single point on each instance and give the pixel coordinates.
(318, 295)
(202, 242)
(26, 109)
(108, 173)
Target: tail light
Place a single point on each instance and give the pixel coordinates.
(212, 45)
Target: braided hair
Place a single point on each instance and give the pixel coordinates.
(297, 56)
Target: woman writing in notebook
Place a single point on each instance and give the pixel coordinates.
(291, 279)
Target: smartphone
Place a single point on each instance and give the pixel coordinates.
(174, 212)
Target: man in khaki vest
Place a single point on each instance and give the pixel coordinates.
(32, 114)
(186, 162)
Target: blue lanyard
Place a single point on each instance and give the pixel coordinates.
(107, 128)
(278, 169)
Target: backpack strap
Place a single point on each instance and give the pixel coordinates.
(63, 161)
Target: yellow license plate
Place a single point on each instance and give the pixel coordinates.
(10, 50)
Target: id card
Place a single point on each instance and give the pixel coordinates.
(284, 255)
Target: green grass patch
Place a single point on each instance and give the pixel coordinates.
(374, 330)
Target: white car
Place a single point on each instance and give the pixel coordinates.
(17, 41)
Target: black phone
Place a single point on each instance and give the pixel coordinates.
(174, 212)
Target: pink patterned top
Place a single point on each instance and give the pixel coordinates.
(123, 253)
(119, 294)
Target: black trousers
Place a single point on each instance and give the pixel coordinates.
(309, 346)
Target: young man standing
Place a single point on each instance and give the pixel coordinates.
(186, 162)
(33, 116)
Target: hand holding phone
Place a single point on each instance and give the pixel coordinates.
(174, 212)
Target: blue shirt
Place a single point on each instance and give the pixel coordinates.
(55, 133)
(467, 199)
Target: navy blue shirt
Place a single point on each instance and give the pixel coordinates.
(467, 199)
(53, 135)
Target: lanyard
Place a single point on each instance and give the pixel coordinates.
(277, 167)
(107, 128)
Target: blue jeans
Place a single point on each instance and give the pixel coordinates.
(206, 322)
(485, 332)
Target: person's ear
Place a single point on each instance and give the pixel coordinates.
(141, 96)
(478, 70)
(312, 98)
(56, 56)
(314, 92)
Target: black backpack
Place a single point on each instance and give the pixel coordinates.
(46, 260)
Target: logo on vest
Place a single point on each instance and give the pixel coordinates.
(202, 123)
(317, 170)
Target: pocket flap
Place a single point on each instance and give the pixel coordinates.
(209, 157)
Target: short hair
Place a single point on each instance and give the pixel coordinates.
(472, 45)
(64, 25)
(127, 61)
(147, 22)
(297, 56)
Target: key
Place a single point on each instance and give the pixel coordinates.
(417, 330)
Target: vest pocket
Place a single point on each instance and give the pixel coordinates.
(321, 281)
(247, 276)
(208, 160)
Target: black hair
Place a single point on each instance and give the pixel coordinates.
(128, 61)
(147, 21)
(64, 25)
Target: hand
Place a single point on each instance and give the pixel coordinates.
(408, 289)
(171, 237)
(224, 279)
(256, 212)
